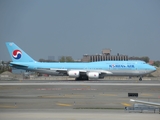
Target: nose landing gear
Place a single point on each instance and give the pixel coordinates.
(140, 79)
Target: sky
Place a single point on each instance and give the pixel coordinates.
(57, 28)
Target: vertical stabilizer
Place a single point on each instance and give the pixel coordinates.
(17, 54)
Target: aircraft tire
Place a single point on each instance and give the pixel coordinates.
(82, 78)
(140, 79)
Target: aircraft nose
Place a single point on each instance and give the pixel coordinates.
(154, 68)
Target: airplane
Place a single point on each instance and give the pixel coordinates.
(78, 70)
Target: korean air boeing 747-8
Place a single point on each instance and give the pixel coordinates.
(80, 71)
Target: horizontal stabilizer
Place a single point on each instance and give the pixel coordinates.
(18, 65)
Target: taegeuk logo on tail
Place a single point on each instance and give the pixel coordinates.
(17, 54)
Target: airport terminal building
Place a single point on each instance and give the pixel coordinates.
(105, 56)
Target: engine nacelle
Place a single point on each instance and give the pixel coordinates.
(73, 73)
(93, 75)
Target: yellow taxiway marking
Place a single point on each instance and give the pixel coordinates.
(61, 104)
(126, 104)
(86, 86)
(7, 106)
(108, 94)
(146, 94)
(62, 96)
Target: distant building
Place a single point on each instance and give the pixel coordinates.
(151, 62)
(105, 56)
(106, 52)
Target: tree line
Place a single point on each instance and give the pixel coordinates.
(145, 58)
(4, 66)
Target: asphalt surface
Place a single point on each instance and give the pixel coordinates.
(75, 115)
(78, 100)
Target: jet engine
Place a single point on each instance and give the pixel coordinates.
(73, 73)
(93, 75)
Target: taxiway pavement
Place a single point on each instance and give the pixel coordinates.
(22, 97)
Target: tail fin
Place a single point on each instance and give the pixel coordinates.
(17, 54)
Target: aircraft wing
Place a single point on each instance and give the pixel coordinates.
(81, 71)
(59, 70)
(145, 102)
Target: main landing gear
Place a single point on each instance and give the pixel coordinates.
(82, 78)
